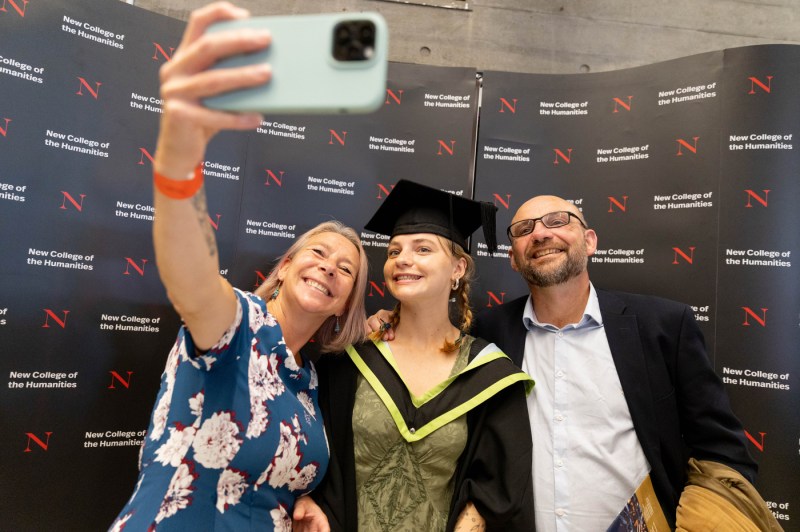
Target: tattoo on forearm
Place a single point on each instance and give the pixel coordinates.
(199, 204)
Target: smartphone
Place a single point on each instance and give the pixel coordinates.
(326, 63)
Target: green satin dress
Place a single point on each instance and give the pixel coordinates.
(404, 486)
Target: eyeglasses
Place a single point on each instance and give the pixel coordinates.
(551, 220)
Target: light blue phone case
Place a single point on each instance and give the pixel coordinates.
(306, 78)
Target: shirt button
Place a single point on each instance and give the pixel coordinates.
(412, 430)
(560, 512)
(559, 463)
(559, 417)
(560, 334)
(559, 374)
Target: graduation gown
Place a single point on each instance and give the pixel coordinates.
(494, 470)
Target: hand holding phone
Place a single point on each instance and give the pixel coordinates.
(327, 63)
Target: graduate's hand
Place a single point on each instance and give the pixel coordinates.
(308, 516)
(470, 520)
(381, 320)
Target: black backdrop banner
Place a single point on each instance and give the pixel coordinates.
(687, 169)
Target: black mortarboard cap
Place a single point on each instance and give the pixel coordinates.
(414, 208)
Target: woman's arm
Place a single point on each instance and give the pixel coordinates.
(185, 246)
(470, 520)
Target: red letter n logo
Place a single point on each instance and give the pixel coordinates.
(35, 439)
(85, 84)
(375, 287)
(117, 377)
(13, 3)
(621, 103)
(130, 263)
(450, 149)
(748, 313)
(50, 314)
(214, 224)
(751, 195)
(337, 137)
(759, 445)
(4, 129)
(275, 178)
(683, 144)
(159, 51)
(680, 253)
(260, 278)
(504, 202)
(392, 96)
(493, 298)
(566, 157)
(383, 191)
(511, 106)
(73, 201)
(621, 205)
(755, 82)
(144, 154)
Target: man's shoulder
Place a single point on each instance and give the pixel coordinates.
(615, 300)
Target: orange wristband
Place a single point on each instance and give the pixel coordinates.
(179, 188)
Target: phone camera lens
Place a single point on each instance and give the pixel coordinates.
(354, 40)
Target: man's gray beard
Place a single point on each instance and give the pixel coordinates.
(572, 267)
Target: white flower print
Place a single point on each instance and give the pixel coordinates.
(290, 362)
(256, 315)
(225, 341)
(160, 414)
(207, 360)
(179, 492)
(174, 449)
(265, 384)
(284, 468)
(304, 477)
(196, 405)
(314, 382)
(259, 419)
(161, 411)
(264, 380)
(230, 488)
(307, 403)
(119, 524)
(217, 441)
(281, 521)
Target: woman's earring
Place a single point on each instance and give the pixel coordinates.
(456, 283)
(336, 328)
(276, 292)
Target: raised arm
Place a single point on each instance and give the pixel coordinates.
(186, 250)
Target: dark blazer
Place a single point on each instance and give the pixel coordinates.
(677, 402)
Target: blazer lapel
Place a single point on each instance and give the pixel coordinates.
(622, 332)
(513, 342)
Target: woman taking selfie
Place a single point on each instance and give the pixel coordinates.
(236, 434)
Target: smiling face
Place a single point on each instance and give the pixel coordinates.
(548, 257)
(320, 276)
(420, 266)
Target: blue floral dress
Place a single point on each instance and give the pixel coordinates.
(235, 436)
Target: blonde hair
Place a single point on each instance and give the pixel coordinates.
(462, 315)
(351, 324)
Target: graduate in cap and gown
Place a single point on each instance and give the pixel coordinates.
(431, 432)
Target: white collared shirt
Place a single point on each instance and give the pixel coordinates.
(587, 460)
